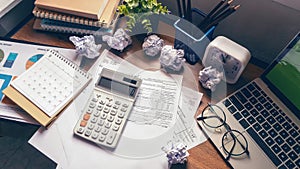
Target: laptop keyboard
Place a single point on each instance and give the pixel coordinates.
(272, 130)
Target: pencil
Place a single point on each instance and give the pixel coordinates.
(222, 10)
(203, 22)
(184, 8)
(179, 8)
(215, 8)
(228, 12)
(189, 11)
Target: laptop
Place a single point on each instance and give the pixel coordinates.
(267, 112)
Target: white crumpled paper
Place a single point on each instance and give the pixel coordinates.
(172, 59)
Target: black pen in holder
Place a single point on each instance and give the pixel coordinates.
(192, 39)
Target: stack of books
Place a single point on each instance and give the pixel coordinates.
(97, 17)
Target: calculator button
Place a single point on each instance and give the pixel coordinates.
(88, 132)
(98, 129)
(97, 114)
(86, 117)
(91, 126)
(102, 102)
(99, 107)
(92, 105)
(121, 114)
(108, 104)
(80, 130)
(94, 99)
(106, 110)
(104, 131)
(115, 127)
(95, 135)
(118, 121)
(110, 118)
(102, 138)
(101, 122)
(103, 116)
(109, 99)
(123, 109)
(113, 112)
(116, 106)
(125, 105)
(111, 137)
(117, 102)
(89, 111)
(83, 123)
(107, 125)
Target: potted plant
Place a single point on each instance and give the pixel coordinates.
(139, 12)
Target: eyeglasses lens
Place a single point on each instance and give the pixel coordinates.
(214, 116)
(234, 143)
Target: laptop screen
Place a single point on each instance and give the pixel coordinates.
(283, 75)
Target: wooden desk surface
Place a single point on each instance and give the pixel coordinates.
(203, 156)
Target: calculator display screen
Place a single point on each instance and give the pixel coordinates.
(116, 86)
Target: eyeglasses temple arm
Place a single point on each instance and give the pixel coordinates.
(231, 150)
(242, 145)
(208, 117)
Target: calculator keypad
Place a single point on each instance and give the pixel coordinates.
(103, 119)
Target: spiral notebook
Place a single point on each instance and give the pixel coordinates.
(92, 9)
(47, 87)
(73, 28)
(105, 20)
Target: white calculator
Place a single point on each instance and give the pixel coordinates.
(108, 107)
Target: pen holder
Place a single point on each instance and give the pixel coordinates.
(192, 39)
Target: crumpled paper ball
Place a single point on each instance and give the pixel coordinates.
(209, 78)
(171, 59)
(152, 45)
(119, 41)
(86, 46)
(176, 153)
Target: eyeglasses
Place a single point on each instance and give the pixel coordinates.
(234, 142)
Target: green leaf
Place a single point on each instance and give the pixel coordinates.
(144, 21)
(140, 10)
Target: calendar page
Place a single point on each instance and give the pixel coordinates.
(52, 82)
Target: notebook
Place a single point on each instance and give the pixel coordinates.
(267, 112)
(104, 21)
(71, 28)
(92, 9)
(47, 87)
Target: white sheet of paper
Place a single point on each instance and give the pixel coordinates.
(186, 128)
